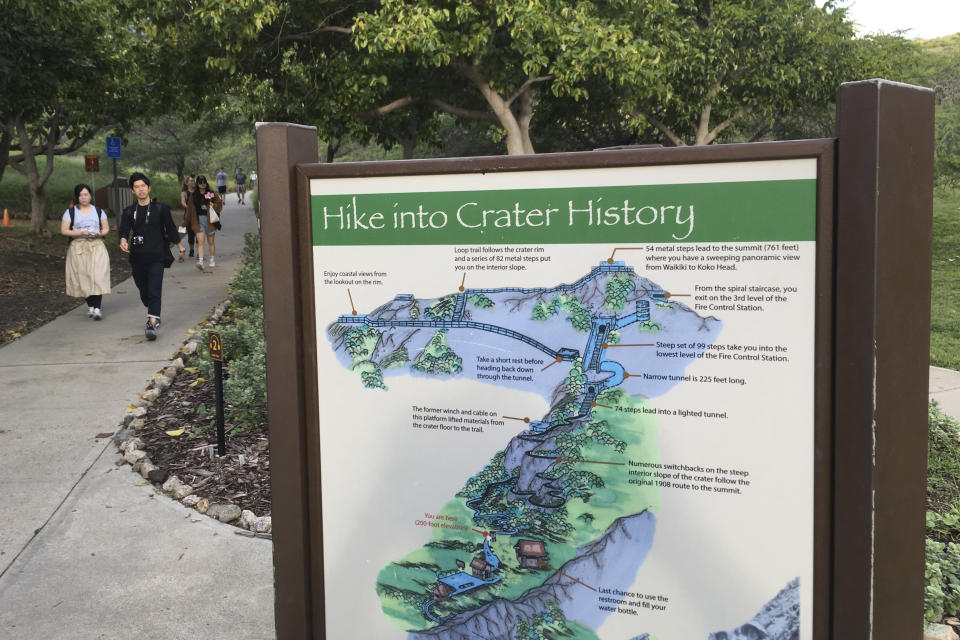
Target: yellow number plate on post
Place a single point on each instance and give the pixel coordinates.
(215, 346)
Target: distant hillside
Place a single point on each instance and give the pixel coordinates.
(942, 45)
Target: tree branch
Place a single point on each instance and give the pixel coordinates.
(485, 116)
(723, 125)
(526, 85)
(399, 103)
(664, 129)
(309, 34)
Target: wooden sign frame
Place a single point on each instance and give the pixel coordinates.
(874, 203)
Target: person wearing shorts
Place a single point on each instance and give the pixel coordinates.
(201, 203)
(222, 184)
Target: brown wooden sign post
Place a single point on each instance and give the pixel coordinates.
(765, 415)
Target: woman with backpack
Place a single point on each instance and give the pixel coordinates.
(88, 263)
(202, 203)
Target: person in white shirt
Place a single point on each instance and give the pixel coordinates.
(88, 263)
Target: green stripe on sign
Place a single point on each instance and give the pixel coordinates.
(774, 210)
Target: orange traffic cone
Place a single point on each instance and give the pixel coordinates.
(6, 218)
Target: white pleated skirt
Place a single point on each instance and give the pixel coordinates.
(88, 268)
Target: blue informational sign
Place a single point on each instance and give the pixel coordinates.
(114, 147)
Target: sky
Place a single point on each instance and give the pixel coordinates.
(924, 18)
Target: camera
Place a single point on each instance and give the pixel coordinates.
(136, 241)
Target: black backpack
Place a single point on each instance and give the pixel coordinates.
(73, 212)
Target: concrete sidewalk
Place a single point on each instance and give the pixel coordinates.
(945, 389)
(87, 551)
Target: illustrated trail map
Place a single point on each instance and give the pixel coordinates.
(589, 441)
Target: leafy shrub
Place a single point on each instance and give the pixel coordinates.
(942, 591)
(943, 429)
(244, 350)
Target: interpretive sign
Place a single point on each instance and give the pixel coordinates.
(658, 393)
(567, 389)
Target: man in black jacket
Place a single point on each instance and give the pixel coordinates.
(146, 232)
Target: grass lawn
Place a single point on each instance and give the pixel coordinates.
(945, 274)
(69, 171)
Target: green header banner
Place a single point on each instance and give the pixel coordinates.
(774, 210)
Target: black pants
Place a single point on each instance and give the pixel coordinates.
(191, 236)
(149, 279)
(94, 301)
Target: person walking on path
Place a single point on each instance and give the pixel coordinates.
(189, 186)
(88, 263)
(222, 183)
(240, 178)
(201, 204)
(150, 228)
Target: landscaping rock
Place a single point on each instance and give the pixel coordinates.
(133, 455)
(939, 632)
(146, 467)
(150, 395)
(263, 524)
(181, 491)
(139, 464)
(171, 483)
(170, 372)
(177, 364)
(191, 500)
(122, 436)
(132, 443)
(202, 505)
(190, 348)
(162, 382)
(129, 416)
(247, 519)
(138, 424)
(158, 475)
(224, 512)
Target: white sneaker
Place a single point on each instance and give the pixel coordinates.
(200, 264)
(97, 315)
(212, 262)
(89, 312)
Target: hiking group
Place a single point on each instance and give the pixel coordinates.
(147, 231)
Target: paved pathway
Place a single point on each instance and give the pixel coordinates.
(84, 551)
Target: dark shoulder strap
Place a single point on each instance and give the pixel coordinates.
(73, 212)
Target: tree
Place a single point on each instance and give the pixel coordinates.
(495, 60)
(291, 60)
(726, 62)
(67, 71)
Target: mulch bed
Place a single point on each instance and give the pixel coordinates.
(241, 477)
(32, 281)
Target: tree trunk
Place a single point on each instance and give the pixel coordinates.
(27, 165)
(332, 147)
(181, 160)
(408, 145)
(38, 207)
(518, 135)
(526, 115)
(5, 141)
